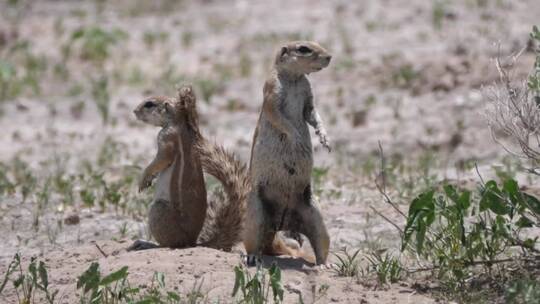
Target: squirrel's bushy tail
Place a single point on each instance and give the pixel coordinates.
(225, 218)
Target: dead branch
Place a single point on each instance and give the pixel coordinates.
(513, 111)
(381, 186)
(481, 262)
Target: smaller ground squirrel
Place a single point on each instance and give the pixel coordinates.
(281, 155)
(179, 209)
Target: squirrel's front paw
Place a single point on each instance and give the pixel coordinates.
(145, 182)
(325, 141)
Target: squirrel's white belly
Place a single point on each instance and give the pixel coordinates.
(162, 185)
(280, 161)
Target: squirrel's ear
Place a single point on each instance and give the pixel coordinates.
(284, 50)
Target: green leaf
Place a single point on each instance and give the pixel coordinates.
(173, 296)
(535, 34)
(463, 200)
(275, 282)
(493, 199)
(511, 188)
(15, 262)
(524, 222)
(115, 276)
(420, 236)
(77, 34)
(529, 243)
(43, 275)
(532, 202)
(239, 280)
(421, 214)
(6, 70)
(160, 278)
(90, 278)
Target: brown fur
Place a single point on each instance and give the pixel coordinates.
(180, 207)
(281, 158)
(227, 221)
(177, 214)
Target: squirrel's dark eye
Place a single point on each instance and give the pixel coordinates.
(304, 50)
(149, 104)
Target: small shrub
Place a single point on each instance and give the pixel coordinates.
(100, 94)
(95, 43)
(524, 291)
(348, 264)
(28, 283)
(255, 289)
(387, 268)
(457, 230)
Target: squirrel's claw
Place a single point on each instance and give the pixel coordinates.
(323, 138)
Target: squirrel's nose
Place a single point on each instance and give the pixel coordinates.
(328, 58)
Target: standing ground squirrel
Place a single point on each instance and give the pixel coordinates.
(281, 156)
(179, 210)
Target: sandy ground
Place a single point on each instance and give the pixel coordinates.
(399, 76)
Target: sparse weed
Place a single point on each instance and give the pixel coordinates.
(20, 71)
(404, 76)
(111, 288)
(28, 283)
(187, 39)
(316, 293)
(533, 82)
(526, 291)
(100, 94)
(150, 38)
(348, 264)
(438, 13)
(245, 65)
(207, 88)
(457, 230)
(95, 43)
(255, 289)
(7, 187)
(387, 268)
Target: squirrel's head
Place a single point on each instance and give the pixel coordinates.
(302, 57)
(162, 110)
(156, 110)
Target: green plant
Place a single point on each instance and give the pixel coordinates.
(438, 12)
(100, 94)
(95, 43)
(6, 185)
(111, 288)
(457, 230)
(36, 278)
(526, 291)
(348, 264)
(245, 65)
(150, 38)
(534, 78)
(7, 80)
(20, 70)
(207, 88)
(187, 39)
(387, 268)
(316, 293)
(404, 76)
(255, 289)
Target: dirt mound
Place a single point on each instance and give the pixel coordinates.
(185, 269)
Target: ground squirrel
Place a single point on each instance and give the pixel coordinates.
(180, 206)
(281, 156)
